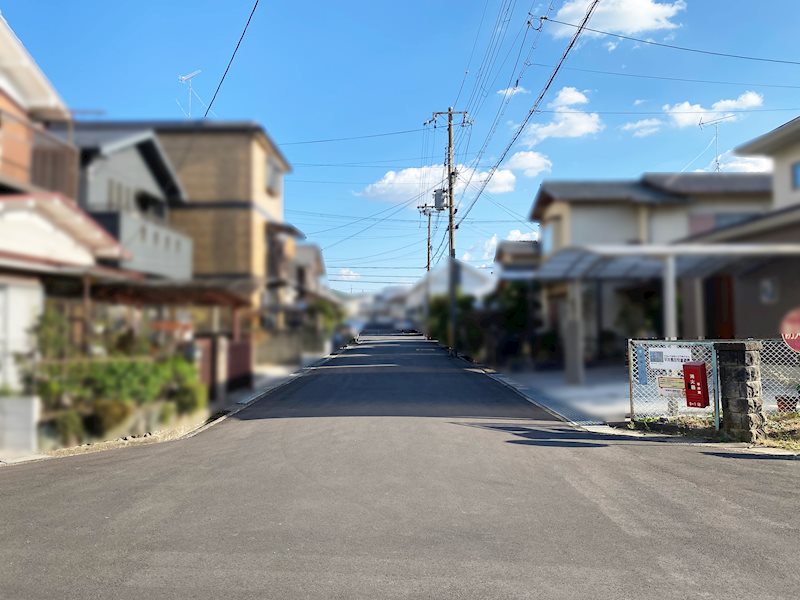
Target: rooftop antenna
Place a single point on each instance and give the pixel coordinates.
(715, 123)
(187, 79)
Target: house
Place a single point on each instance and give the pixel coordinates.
(129, 186)
(31, 158)
(656, 209)
(517, 259)
(231, 174)
(471, 282)
(43, 237)
(762, 290)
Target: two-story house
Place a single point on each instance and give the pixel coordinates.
(128, 185)
(31, 158)
(658, 208)
(43, 233)
(231, 173)
(760, 295)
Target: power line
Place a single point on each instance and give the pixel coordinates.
(355, 137)
(230, 62)
(533, 108)
(667, 78)
(675, 47)
(670, 112)
(360, 281)
(472, 52)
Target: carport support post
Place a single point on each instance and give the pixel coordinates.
(670, 299)
(574, 334)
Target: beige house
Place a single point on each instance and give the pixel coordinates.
(657, 209)
(232, 177)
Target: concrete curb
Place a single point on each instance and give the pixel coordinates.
(259, 395)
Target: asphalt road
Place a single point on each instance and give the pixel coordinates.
(394, 471)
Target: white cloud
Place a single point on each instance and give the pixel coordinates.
(516, 235)
(572, 124)
(466, 257)
(730, 163)
(530, 163)
(639, 102)
(568, 122)
(349, 274)
(568, 96)
(513, 91)
(396, 186)
(611, 46)
(628, 17)
(686, 114)
(644, 127)
(489, 247)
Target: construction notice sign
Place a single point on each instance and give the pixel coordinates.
(669, 358)
(671, 386)
(790, 329)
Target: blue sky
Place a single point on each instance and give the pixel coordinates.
(320, 70)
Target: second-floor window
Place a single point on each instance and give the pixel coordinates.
(274, 177)
(796, 175)
(551, 235)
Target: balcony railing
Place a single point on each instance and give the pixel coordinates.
(32, 156)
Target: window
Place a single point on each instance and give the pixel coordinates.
(702, 222)
(109, 194)
(551, 235)
(274, 177)
(796, 175)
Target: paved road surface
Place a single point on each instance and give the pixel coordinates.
(394, 471)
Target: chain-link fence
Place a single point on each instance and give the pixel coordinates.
(780, 377)
(656, 378)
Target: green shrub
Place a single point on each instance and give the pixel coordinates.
(106, 415)
(191, 397)
(168, 412)
(69, 427)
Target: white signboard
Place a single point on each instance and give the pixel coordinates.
(668, 358)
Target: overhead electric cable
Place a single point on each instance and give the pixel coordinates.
(676, 47)
(230, 62)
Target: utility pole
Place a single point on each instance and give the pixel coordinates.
(451, 229)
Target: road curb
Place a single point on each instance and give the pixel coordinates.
(259, 395)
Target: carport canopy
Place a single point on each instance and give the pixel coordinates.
(667, 262)
(652, 261)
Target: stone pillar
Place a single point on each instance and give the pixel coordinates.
(739, 365)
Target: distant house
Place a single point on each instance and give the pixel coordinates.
(517, 259)
(129, 186)
(472, 281)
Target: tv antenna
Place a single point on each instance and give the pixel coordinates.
(187, 79)
(715, 123)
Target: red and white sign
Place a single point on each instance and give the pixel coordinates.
(790, 329)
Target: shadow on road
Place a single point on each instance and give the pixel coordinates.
(752, 456)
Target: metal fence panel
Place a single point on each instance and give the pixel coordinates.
(780, 377)
(656, 377)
